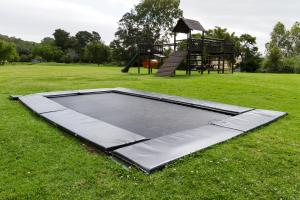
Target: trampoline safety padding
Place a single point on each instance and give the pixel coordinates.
(148, 130)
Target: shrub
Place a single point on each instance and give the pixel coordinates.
(287, 65)
(296, 64)
(274, 60)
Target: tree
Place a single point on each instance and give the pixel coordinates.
(251, 58)
(82, 39)
(97, 52)
(70, 56)
(280, 40)
(274, 59)
(295, 39)
(96, 36)
(7, 52)
(47, 52)
(48, 40)
(150, 21)
(62, 39)
(119, 53)
(221, 33)
(283, 49)
(24, 48)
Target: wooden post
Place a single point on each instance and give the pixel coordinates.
(149, 61)
(139, 63)
(202, 53)
(232, 70)
(175, 42)
(223, 68)
(187, 64)
(219, 63)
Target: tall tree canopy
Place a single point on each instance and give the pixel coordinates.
(62, 39)
(24, 48)
(7, 52)
(148, 22)
(283, 50)
(47, 51)
(82, 39)
(279, 39)
(250, 56)
(61, 48)
(97, 52)
(294, 38)
(288, 41)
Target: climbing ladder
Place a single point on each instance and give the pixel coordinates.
(172, 63)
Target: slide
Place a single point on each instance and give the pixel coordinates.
(130, 63)
(172, 63)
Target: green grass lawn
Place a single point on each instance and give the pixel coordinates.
(39, 161)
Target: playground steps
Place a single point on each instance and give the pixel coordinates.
(172, 63)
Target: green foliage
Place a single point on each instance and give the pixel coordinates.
(280, 40)
(82, 39)
(156, 18)
(221, 33)
(274, 60)
(120, 53)
(75, 48)
(250, 56)
(48, 41)
(8, 52)
(283, 50)
(290, 65)
(70, 56)
(97, 52)
(295, 39)
(24, 48)
(150, 21)
(62, 39)
(47, 52)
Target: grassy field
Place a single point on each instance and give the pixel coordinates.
(39, 161)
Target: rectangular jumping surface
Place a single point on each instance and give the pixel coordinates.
(146, 117)
(148, 130)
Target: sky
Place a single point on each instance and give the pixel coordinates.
(35, 19)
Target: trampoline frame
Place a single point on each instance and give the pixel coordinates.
(148, 154)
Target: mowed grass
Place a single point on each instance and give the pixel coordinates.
(39, 161)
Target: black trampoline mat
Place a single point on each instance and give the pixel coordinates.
(143, 116)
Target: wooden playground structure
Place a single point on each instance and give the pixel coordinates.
(193, 54)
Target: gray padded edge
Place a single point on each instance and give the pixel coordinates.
(250, 120)
(212, 105)
(40, 104)
(100, 133)
(175, 99)
(188, 101)
(88, 91)
(141, 93)
(58, 93)
(154, 154)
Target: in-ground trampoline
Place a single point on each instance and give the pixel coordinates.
(148, 130)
